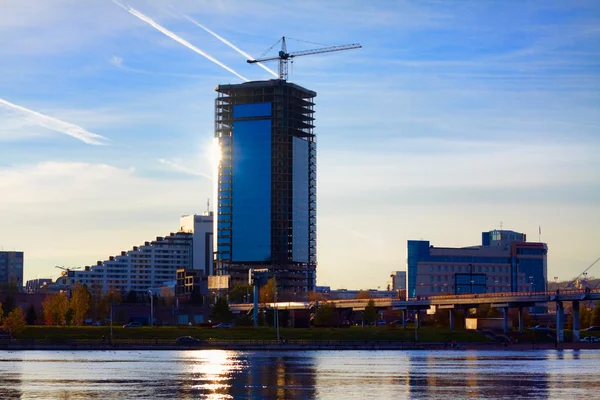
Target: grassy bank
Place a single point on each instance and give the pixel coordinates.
(425, 334)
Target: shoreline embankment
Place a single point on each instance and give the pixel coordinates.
(293, 346)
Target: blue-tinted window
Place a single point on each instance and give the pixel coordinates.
(251, 214)
(300, 198)
(251, 110)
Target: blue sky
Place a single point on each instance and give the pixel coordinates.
(453, 117)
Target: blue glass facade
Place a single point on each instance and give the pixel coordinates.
(418, 250)
(251, 191)
(253, 110)
(300, 199)
(266, 183)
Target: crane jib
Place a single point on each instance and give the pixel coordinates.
(284, 56)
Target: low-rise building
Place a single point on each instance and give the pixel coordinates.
(504, 262)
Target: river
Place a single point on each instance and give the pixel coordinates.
(218, 374)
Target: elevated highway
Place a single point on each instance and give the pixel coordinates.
(503, 301)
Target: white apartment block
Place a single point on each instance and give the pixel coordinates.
(149, 266)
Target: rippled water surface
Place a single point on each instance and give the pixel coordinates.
(299, 375)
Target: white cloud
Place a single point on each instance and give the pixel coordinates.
(74, 213)
(55, 124)
(176, 165)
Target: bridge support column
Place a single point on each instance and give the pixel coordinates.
(505, 322)
(255, 309)
(560, 322)
(465, 318)
(417, 319)
(575, 321)
(451, 316)
(404, 319)
(521, 323)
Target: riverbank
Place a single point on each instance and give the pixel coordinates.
(301, 345)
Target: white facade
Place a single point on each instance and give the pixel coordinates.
(152, 265)
(201, 226)
(398, 280)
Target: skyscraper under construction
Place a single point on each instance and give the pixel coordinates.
(266, 204)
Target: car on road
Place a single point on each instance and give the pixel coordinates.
(541, 328)
(593, 328)
(224, 325)
(132, 325)
(590, 339)
(187, 340)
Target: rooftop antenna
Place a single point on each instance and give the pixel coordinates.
(208, 206)
(500, 225)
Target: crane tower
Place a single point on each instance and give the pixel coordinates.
(283, 57)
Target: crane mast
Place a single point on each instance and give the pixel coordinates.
(283, 57)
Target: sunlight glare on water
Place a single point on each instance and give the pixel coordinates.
(219, 374)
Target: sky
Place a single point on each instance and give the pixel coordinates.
(453, 119)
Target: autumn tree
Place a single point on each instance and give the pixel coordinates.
(79, 304)
(267, 291)
(239, 292)
(585, 317)
(167, 296)
(131, 297)
(55, 309)
(595, 317)
(370, 313)
(325, 315)
(111, 297)
(14, 323)
(8, 304)
(221, 311)
(30, 315)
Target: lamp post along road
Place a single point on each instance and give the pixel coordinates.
(151, 307)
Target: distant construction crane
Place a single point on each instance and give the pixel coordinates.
(66, 269)
(284, 56)
(584, 271)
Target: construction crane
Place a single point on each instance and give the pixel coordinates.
(284, 56)
(584, 271)
(66, 270)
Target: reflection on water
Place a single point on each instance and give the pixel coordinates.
(219, 374)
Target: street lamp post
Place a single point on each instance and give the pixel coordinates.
(151, 307)
(531, 283)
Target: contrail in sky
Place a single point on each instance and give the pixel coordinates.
(173, 36)
(228, 43)
(57, 125)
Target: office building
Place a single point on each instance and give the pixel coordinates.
(266, 203)
(504, 262)
(11, 268)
